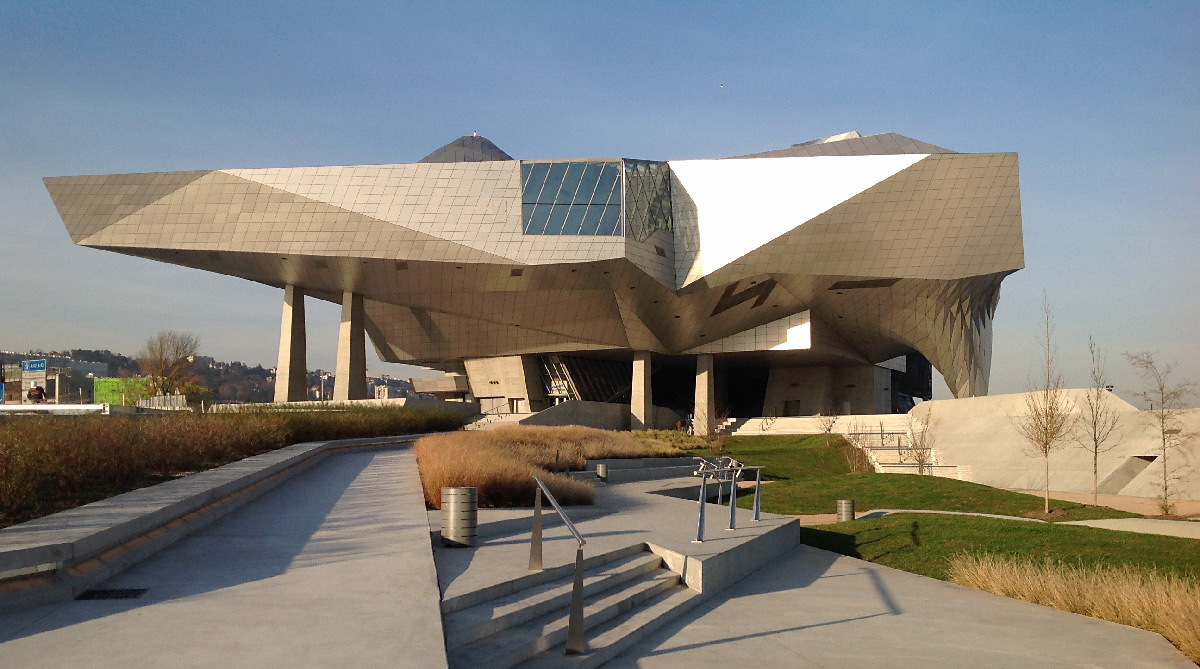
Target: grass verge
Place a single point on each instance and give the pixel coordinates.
(503, 462)
(1148, 599)
(53, 463)
(808, 477)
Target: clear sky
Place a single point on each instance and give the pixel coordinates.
(1101, 100)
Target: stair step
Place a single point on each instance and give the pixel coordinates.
(590, 563)
(518, 644)
(616, 636)
(487, 618)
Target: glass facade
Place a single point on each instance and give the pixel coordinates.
(596, 197)
(580, 197)
(647, 198)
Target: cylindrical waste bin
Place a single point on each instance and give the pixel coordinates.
(602, 471)
(460, 516)
(845, 510)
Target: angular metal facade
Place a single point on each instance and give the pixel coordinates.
(863, 249)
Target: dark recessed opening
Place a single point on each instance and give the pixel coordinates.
(401, 264)
(112, 593)
(516, 272)
(659, 250)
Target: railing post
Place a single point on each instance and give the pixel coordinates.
(732, 500)
(703, 502)
(720, 488)
(757, 494)
(535, 543)
(575, 643)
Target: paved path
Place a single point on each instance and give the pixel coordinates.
(818, 609)
(331, 568)
(1147, 506)
(1173, 528)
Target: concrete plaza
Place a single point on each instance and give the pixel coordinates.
(334, 567)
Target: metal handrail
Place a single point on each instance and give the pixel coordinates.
(562, 514)
(575, 643)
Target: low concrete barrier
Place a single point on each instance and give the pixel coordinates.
(58, 556)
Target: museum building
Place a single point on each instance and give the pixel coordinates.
(832, 275)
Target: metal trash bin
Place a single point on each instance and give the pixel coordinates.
(845, 510)
(460, 516)
(602, 471)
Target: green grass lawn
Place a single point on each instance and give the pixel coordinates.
(807, 477)
(924, 543)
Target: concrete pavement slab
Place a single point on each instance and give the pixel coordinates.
(813, 608)
(333, 567)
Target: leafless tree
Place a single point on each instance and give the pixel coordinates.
(164, 359)
(1048, 417)
(1098, 418)
(827, 420)
(921, 437)
(1166, 400)
(856, 449)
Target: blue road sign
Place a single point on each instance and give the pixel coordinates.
(33, 365)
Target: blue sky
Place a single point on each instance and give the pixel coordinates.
(1101, 101)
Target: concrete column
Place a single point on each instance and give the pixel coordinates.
(706, 397)
(351, 381)
(642, 400)
(291, 374)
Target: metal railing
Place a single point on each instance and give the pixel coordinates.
(725, 469)
(575, 642)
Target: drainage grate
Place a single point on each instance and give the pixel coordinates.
(117, 593)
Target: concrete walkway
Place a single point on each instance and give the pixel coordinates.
(331, 568)
(1147, 506)
(1172, 528)
(813, 608)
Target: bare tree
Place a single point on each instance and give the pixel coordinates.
(1097, 418)
(921, 437)
(827, 421)
(1166, 400)
(855, 450)
(1048, 415)
(164, 359)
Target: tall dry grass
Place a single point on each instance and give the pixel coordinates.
(1147, 599)
(51, 463)
(503, 462)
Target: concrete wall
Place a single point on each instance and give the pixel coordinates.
(495, 381)
(799, 391)
(979, 432)
(602, 415)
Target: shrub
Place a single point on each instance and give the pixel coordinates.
(51, 463)
(503, 462)
(1165, 603)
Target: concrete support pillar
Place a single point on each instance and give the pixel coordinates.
(703, 420)
(351, 381)
(642, 400)
(291, 374)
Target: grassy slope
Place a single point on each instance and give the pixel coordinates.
(808, 477)
(924, 544)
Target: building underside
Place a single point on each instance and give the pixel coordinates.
(825, 276)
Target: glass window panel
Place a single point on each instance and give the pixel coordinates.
(610, 223)
(535, 177)
(605, 184)
(554, 177)
(570, 183)
(537, 219)
(558, 216)
(574, 219)
(587, 185)
(591, 220)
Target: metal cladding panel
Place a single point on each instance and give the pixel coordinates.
(870, 256)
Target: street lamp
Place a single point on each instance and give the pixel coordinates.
(324, 375)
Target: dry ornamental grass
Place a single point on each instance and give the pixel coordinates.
(52, 463)
(1150, 600)
(503, 462)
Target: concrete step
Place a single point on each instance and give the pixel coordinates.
(612, 638)
(488, 618)
(519, 644)
(534, 579)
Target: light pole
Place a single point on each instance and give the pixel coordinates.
(324, 375)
